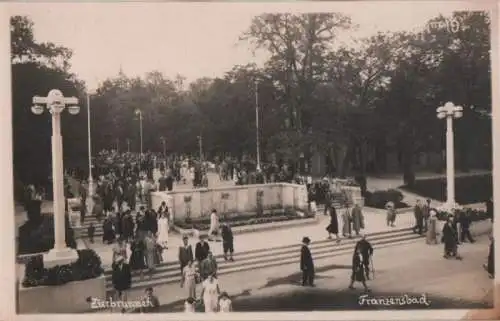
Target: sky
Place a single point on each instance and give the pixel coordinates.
(194, 39)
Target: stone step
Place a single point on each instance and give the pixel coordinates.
(169, 272)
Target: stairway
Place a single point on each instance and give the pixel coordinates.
(169, 272)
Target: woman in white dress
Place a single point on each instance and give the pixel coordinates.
(225, 304)
(188, 279)
(163, 228)
(210, 294)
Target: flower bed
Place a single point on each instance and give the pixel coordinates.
(243, 220)
(88, 266)
(378, 199)
(468, 189)
(474, 215)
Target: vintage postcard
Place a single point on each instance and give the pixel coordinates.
(195, 161)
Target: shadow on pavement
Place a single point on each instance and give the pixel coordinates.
(299, 298)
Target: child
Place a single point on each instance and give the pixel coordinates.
(189, 305)
(90, 232)
(225, 304)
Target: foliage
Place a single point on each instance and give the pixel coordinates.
(88, 266)
(37, 236)
(468, 189)
(353, 103)
(243, 220)
(378, 199)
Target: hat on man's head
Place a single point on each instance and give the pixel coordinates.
(306, 240)
(185, 237)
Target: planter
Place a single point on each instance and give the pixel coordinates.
(66, 298)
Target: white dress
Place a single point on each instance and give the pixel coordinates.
(162, 230)
(224, 305)
(188, 308)
(210, 295)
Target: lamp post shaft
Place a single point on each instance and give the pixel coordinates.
(140, 128)
(58, 184)
(89, 139)
(200, 142)
(257, 138)
(450, 163)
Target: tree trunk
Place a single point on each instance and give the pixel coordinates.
(340, 160)
(407, 160)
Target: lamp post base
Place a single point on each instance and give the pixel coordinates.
(59, 257)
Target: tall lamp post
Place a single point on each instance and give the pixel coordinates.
(257, 136)
(450, 112)
(55, 102)
(138, 112)
(163, 142)
(128, 145)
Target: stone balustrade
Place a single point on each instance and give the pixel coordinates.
(198, 203)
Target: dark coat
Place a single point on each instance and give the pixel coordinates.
(450, 236)
(333, 227)
(227, 234)
(366, 249)
(306, 260)
(491, 259)
(121, 277)
(185, 254)
(358, 271)
(201, 251)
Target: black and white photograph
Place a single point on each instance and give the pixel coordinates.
(252, 157)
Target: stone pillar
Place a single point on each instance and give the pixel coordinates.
(60, 254)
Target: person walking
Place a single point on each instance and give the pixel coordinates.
(306, 263)
(163, 227)
(210, 294)
(366, 250)
(201, 250)
(188, 279)
(450, 239)
(225, 304)
(490, 265)
(391, 214)
(208, 267)
(185, 253)
(121, 278)
(465, 221)
(137, 257)
(418, 212)
(150, 246)
(431, 234)
(333, 227)
(358, 271)
(357, 218)
(213, 232)
(227, 241)
(346, 222)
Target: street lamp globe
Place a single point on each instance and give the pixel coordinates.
(74, 109)
(37, 109)
(449, 105)
(458, 112)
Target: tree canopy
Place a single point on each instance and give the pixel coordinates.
(313, 94)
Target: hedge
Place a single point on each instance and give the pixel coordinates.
(37, 236)
(468, 189)
(379, 199)
(88, 266)
(474, 215)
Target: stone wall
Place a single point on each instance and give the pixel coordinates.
(198, 203)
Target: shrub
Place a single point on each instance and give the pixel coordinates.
(474, 215)
(468, 189)
(87, 266)
(379, 199)
(38, 236)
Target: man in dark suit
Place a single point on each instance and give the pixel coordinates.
(121, 278)
(185, 253)
(201, 250)
(306, 263)
(366, 250)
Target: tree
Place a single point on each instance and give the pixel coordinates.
(36, 69)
